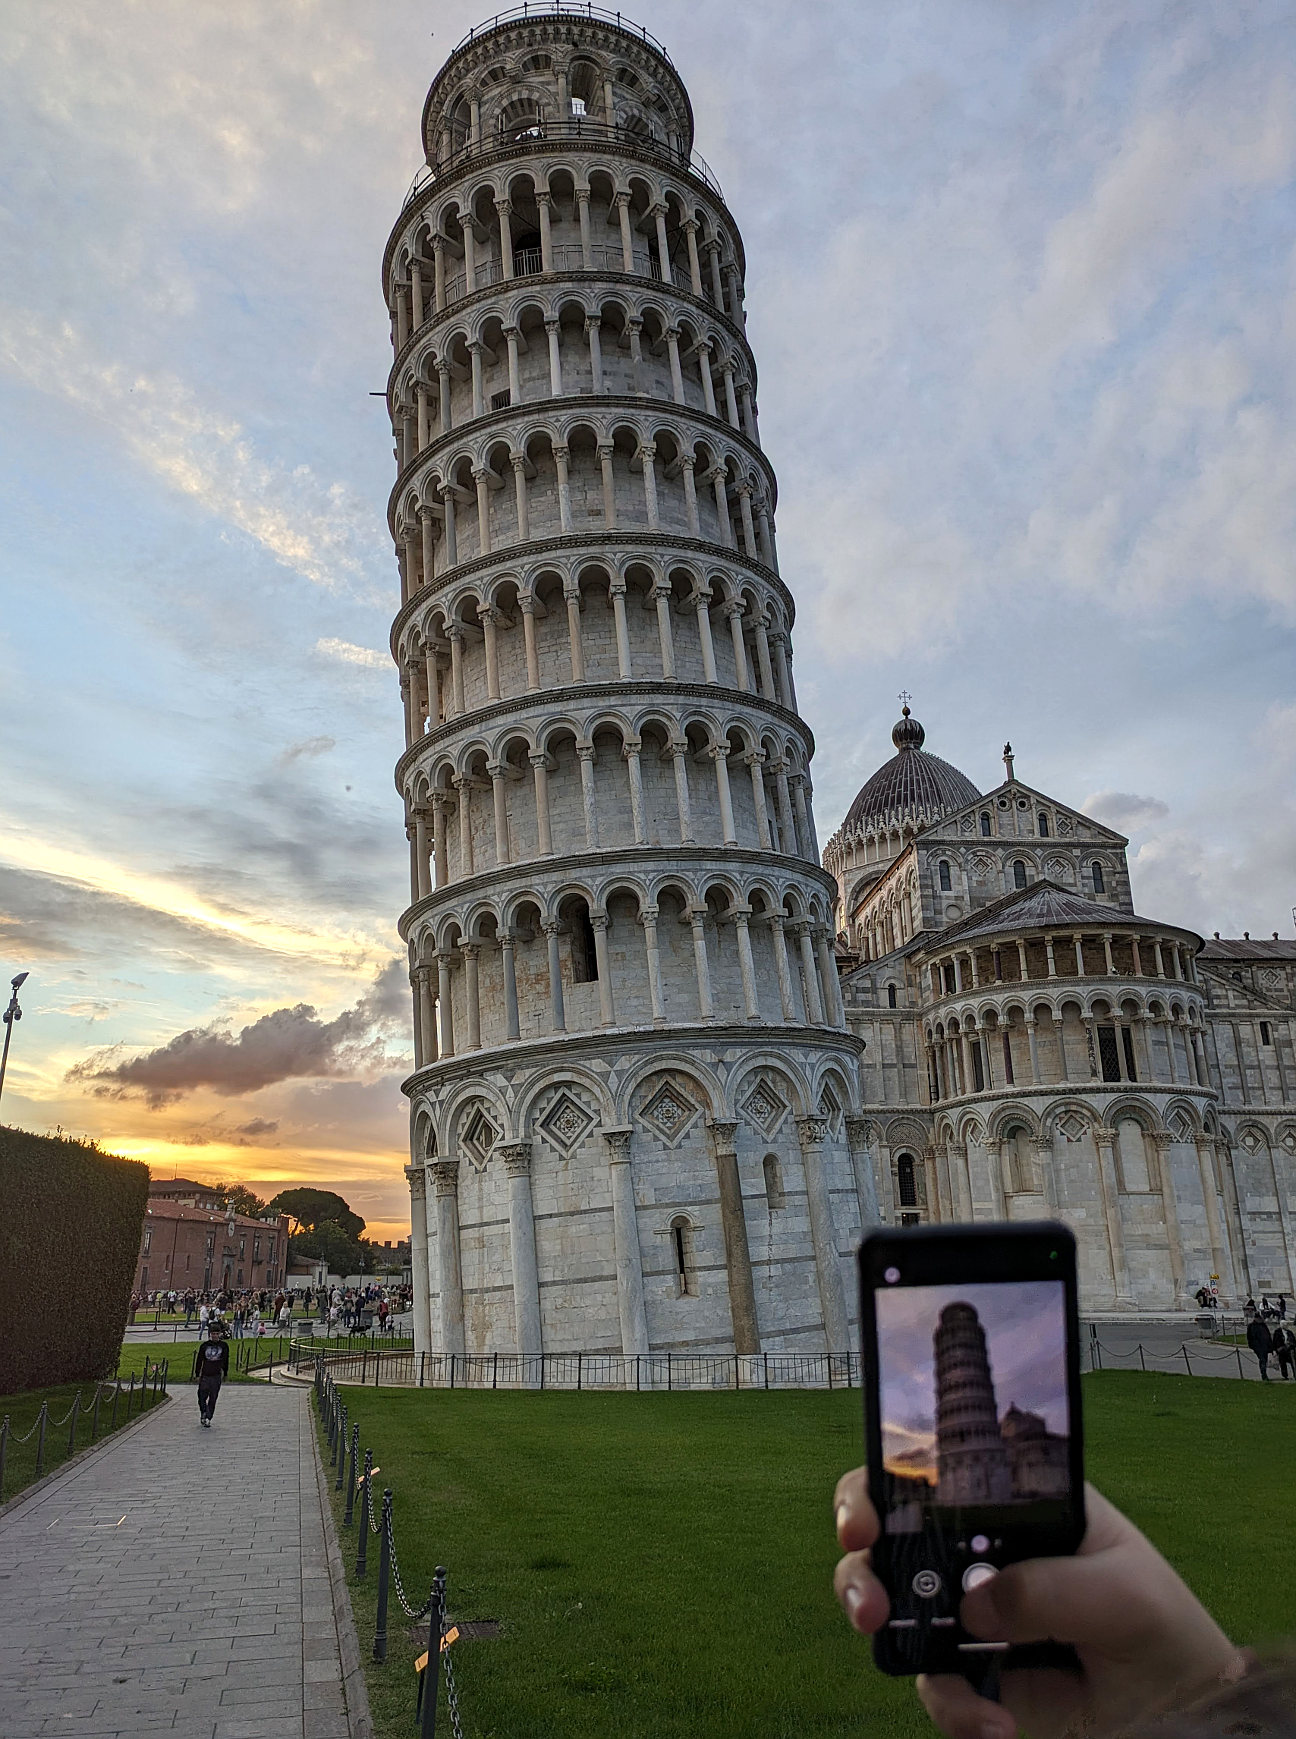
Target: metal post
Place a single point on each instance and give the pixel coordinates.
(432, 1673)
(766, 1358)
(452, 1370)
(112, 1423)
(366, 1511)
(377, 1368)
(1187, 1365)
(349, 1517)
(40, 1441)
(340, 1481)
(364, 1365)
(495, 1373)
(1237, 1350)
(76, 1413)
(94, 1422)
(1142, 1360)
(130, 1395)
(4, 1448)
(384, 1574)
(579, 1363)
(422, 1361)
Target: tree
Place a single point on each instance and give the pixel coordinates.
(240, 1198)
(312, 1208)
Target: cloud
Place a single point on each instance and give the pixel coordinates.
(348, 653)
(1124, 810)
(317, 529)
(287, 1044)
(311, 747)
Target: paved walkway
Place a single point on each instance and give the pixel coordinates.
(176, 1582)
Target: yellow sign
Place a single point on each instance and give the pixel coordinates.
(373, 1471)
(451, 1635)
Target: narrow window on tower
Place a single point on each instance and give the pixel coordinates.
(1019, 873)
(1107, 1053)
(945, 883)
(1008, 1068)
(1099, 885)
(1043, 827)
(682, 1251)
(891, 999)
(978, 1066)
(1127, 1045)
(985, 825)
(578, 105)
(1266, 1034)
(500, 401)
(774, 1196)
(584, 956)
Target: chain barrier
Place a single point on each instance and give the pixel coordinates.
(333, 1419)
(43, 1422)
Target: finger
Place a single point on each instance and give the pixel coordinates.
(959, 1713)
(857, 1520)
(864, 1600)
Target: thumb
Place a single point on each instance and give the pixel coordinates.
(1090, 1601)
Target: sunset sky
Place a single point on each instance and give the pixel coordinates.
(1021, 295)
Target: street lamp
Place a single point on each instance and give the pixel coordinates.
(11, 1014)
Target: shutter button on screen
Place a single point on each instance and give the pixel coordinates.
(926, 1584)
(976, 1574)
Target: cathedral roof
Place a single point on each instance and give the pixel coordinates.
(1248, 948)
(913, 787)
(1046, 906)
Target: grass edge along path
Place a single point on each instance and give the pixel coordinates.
(72, 1425)
(662, 1564)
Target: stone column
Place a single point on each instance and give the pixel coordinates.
(427, 1014)
(527, 605)
(704, 370)
(1220, 1263)
(1104, 1140)
(571, 592)
(871, 1211)
(489, 617)
(716, 477)
(697, 920)
(634, 773)
(512, 1025)
(605, 452)
(661, 596)
(422, 889)
(455, 635)
(445, 1008)
(695, 267)
(438, 273)
(649, 921)
(557, 1015)
(585, 755)
(809, 975)
(498, 774)
(627, 241)
(555, 359)
(1162, 1140)
(678, 754)
(445, 1177)
(463, 785)
(787, 827)
(813, 1133)
(648, 460)
(544, 836)
(419, 1260)
(544, 201)
(446, 411)
(701, 601)
(733, 1224)
(470, 951)
(734, 611)
(522, 1246)
(617, 593)
(829, 981)
(514, 368)
(755, 763)
(561, 455)
(503, 207)
(746, 965)
(607, 1006)
(786, 1004)
(625, 1235)
(677, 373)
(418, 1019)
(582, 207)
(594, 338)
(720, 755)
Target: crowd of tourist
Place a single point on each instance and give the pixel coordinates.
(351, 1309)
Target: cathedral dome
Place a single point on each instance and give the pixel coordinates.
(913, 787)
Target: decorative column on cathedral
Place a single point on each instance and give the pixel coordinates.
(619, 932)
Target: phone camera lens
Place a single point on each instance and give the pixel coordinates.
(891, 1275)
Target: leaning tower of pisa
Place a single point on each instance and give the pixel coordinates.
(633, 1107)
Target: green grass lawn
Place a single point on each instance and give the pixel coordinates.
(661, 1564)
(24, 1410)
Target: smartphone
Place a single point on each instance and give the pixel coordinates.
(971, 1359)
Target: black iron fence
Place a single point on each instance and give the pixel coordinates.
(356, 1479)
(100, 1409)
(581, 1371)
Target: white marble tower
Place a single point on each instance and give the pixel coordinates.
(634, 1104)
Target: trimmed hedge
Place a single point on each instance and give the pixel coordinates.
(71, 1219)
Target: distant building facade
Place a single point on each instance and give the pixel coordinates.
(190, 1241)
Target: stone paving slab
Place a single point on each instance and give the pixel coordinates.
(176, 1582)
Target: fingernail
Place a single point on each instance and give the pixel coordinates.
(843, 1516)
(854, 1599)
(998, 1730)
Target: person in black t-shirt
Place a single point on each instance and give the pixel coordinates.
(211, 1367)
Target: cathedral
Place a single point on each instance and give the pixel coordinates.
(670, 1062)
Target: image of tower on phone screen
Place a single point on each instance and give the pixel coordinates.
(974, 1407)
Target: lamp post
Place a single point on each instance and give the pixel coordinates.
(11, 1014)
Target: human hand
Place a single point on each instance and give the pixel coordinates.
(1143, 1639)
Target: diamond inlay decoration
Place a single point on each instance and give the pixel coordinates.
(830, 1110)
(1071, 1126)
(764, 1108)
(1251, 1141)
(1289, 1141)
(566, 1123)
(478, 1138)
(669, 1114)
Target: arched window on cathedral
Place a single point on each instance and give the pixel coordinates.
(1019, 873)
(906, 1181)
(1043, 827)
(774, 1197)
(681, 1232)
(1099, 884)
(1266, 1033)
(891, 999)
(945, 883)
(985, 825)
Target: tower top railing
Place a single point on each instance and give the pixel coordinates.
(567, 9)
(565, 127)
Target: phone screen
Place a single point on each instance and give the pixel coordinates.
(972, 1403)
